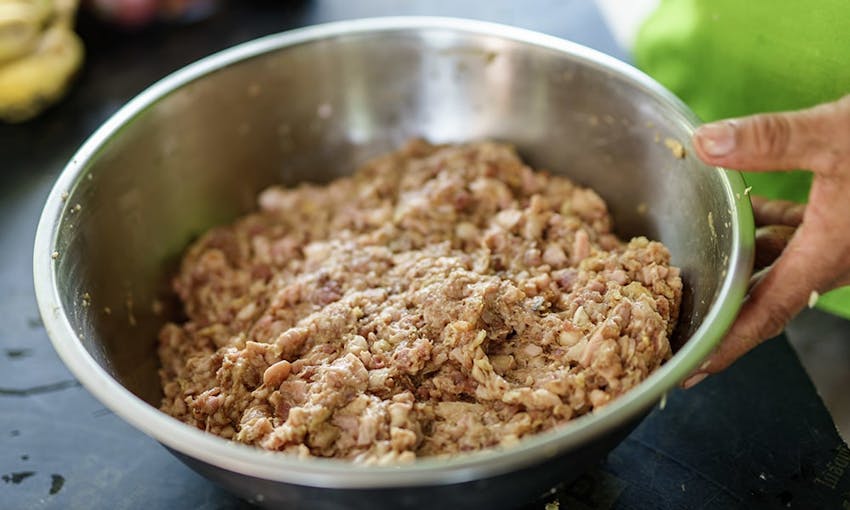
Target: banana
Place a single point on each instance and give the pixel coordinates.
(20, 25)
(30, 84)
(39, 53)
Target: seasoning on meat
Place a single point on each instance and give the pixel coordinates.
(676, 148)
(441, 300)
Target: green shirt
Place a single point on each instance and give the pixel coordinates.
(728, 58)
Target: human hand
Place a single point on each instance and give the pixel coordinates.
(817, 255)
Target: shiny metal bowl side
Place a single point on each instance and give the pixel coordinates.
(193, 150)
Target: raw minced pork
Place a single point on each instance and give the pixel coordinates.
(442, 299)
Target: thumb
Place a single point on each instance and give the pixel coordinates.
(773, 141)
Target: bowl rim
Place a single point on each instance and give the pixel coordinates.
(339, 474)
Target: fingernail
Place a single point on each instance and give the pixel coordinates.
(693, 380)
(717, 139)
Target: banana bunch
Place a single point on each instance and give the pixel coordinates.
(39, 53)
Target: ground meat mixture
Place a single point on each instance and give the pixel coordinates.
(443, 299)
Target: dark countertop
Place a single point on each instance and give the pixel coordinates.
(757, 436)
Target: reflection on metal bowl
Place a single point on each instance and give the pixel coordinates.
(194, 150)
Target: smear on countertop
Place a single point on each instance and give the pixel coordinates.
(18, 477)
(35, 390)
(56, 483)
(17, 353)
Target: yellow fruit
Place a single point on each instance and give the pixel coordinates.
(32, 82)
(21, 23)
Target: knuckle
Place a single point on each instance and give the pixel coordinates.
(831, 162)
(831, 121)
(794, 214)
(739, 340)
(776, 316)
(771, 135)
(842, 106)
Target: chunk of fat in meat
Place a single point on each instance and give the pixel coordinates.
(581, 247)
(275, 374)
(554, 255)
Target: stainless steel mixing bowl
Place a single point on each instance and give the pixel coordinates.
(193, 150)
